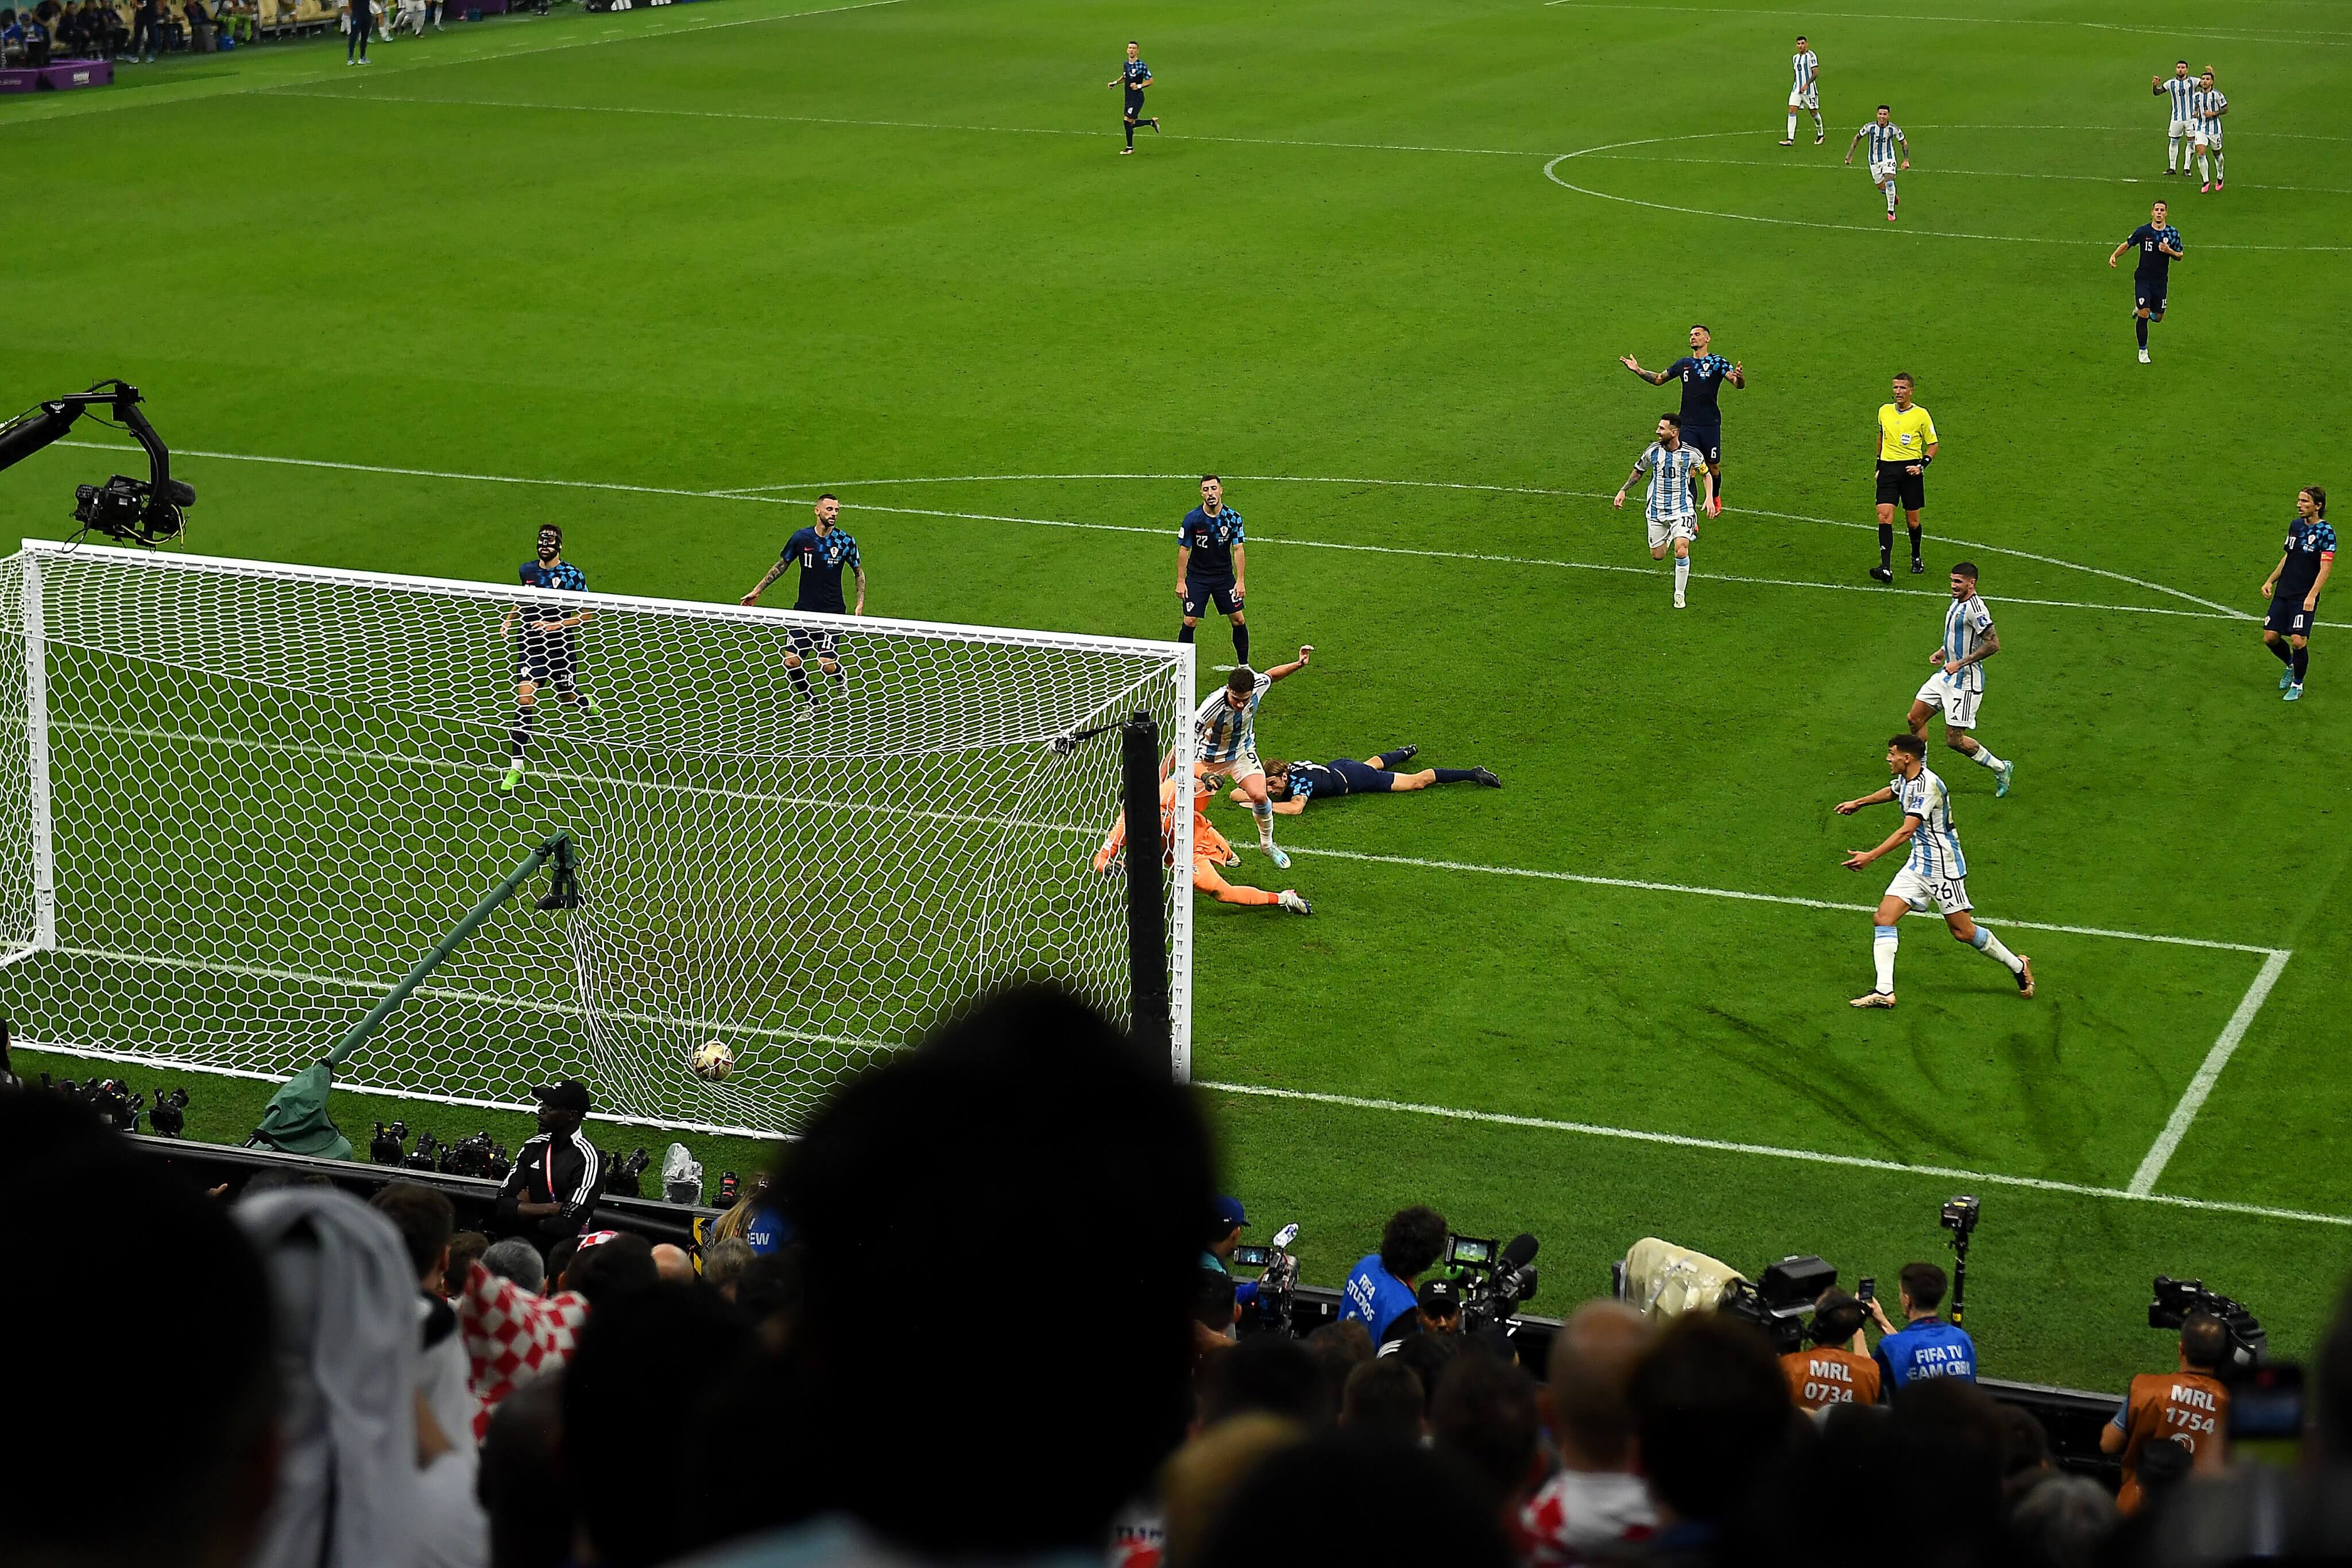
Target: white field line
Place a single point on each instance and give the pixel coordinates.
(2276, 953)
(1551, 172)
(511, 51)
(2200, 1087)
(1842, 168)
(1770, 1151)
(2256, 35)
(755, 495)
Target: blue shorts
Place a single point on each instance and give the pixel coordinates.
(2288, 618)
(1134, 105)
(2150, 292)
(1707, 440)
(1200, 594)
(1361, 777)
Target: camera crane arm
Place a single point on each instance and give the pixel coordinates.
(156, 504)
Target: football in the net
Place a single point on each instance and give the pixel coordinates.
(713, 1060)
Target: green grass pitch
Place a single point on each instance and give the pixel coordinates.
(1377, 272)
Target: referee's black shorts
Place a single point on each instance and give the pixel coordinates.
(1895, 485)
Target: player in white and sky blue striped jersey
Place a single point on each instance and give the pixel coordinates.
(2176, 87)
(2206, 106)
(1887, 146)
(1673, 468)
(1805, 91)
(1956, 690)
(1224, 738)
(1935, 875)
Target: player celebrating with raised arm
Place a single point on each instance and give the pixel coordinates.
(545, 652)
(2294, 585)
(1672, 468)
(1224, 734)
(1135, 76)
(1210, 565)
(1886, 143)
(1703, 375)
(2176, 87)
(2206, 106)
(1957, 688)
(1934, 877)
(1805, 92)
(1292, 784)
(821, 550)
(2159, 244)
(1905, 445)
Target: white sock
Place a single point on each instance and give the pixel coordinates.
(2220, 165)
(2204, 168)
(1819, 129)
(2172, 153)
(1682, 575)
(1983, 758)
(1882, 952)
(1890, 195)
(1792, 125)
(1265, 811)
(1992, 947)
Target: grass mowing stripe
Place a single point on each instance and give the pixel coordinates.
(2257, 36)
(2201, 1088)
(1768, 1151)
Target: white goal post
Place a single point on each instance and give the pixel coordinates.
(238, 800)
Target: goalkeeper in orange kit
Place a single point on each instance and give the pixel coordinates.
(1210, 851)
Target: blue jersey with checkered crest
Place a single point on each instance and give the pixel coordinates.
(821, 556)
(1135, 73)
(2148, 241)
(561, 575)
(1212, 540)
(1702, 377)
(2307, 544)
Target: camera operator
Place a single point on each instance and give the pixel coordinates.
(1226, 1223)
(1381, 1288)
(1926, 1345)
(1836, 1368)
(550, 1194)
(2191, 1405)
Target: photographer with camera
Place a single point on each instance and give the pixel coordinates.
(1926, 1345)
(1823, 1373)
(1381, 1287)
(550, 1194)
(1226, 1223)
(2191, 1405)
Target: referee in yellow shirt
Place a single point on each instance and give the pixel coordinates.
(1907, 445)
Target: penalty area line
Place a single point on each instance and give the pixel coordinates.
(1770, 1151)
(2201, 1088)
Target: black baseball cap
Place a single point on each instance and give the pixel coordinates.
(1440, 1297)
(569, 1095)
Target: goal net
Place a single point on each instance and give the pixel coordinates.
(239, 801)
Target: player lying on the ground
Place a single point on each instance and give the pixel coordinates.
(1210, 851)
(1936, 876)
(2293, 587)
(1957, 688)
(1292, 784)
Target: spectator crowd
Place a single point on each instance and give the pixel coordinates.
(863, 1364)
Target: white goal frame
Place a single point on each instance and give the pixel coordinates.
(43, 809)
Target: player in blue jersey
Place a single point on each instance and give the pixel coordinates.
(1703, 374)
(2182, 129)
(1887, 146)
(2159, 246)
(1211, 563)
(1957, 688)
(1674, 470)
(823, 551)
(1292, 784)
(2295, 584)
(545, 651)
(1935, 876)
(1134, 76)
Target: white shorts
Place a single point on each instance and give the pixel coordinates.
(1809, 99)
(2210, 139)
(1677, 529)
(1948, 896)
(1239, 768)
(1881, 172)
(1958, 704)
(2182, 127)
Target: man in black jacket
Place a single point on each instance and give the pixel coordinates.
(558, 1175)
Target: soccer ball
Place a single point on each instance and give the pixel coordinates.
(713, 1060)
